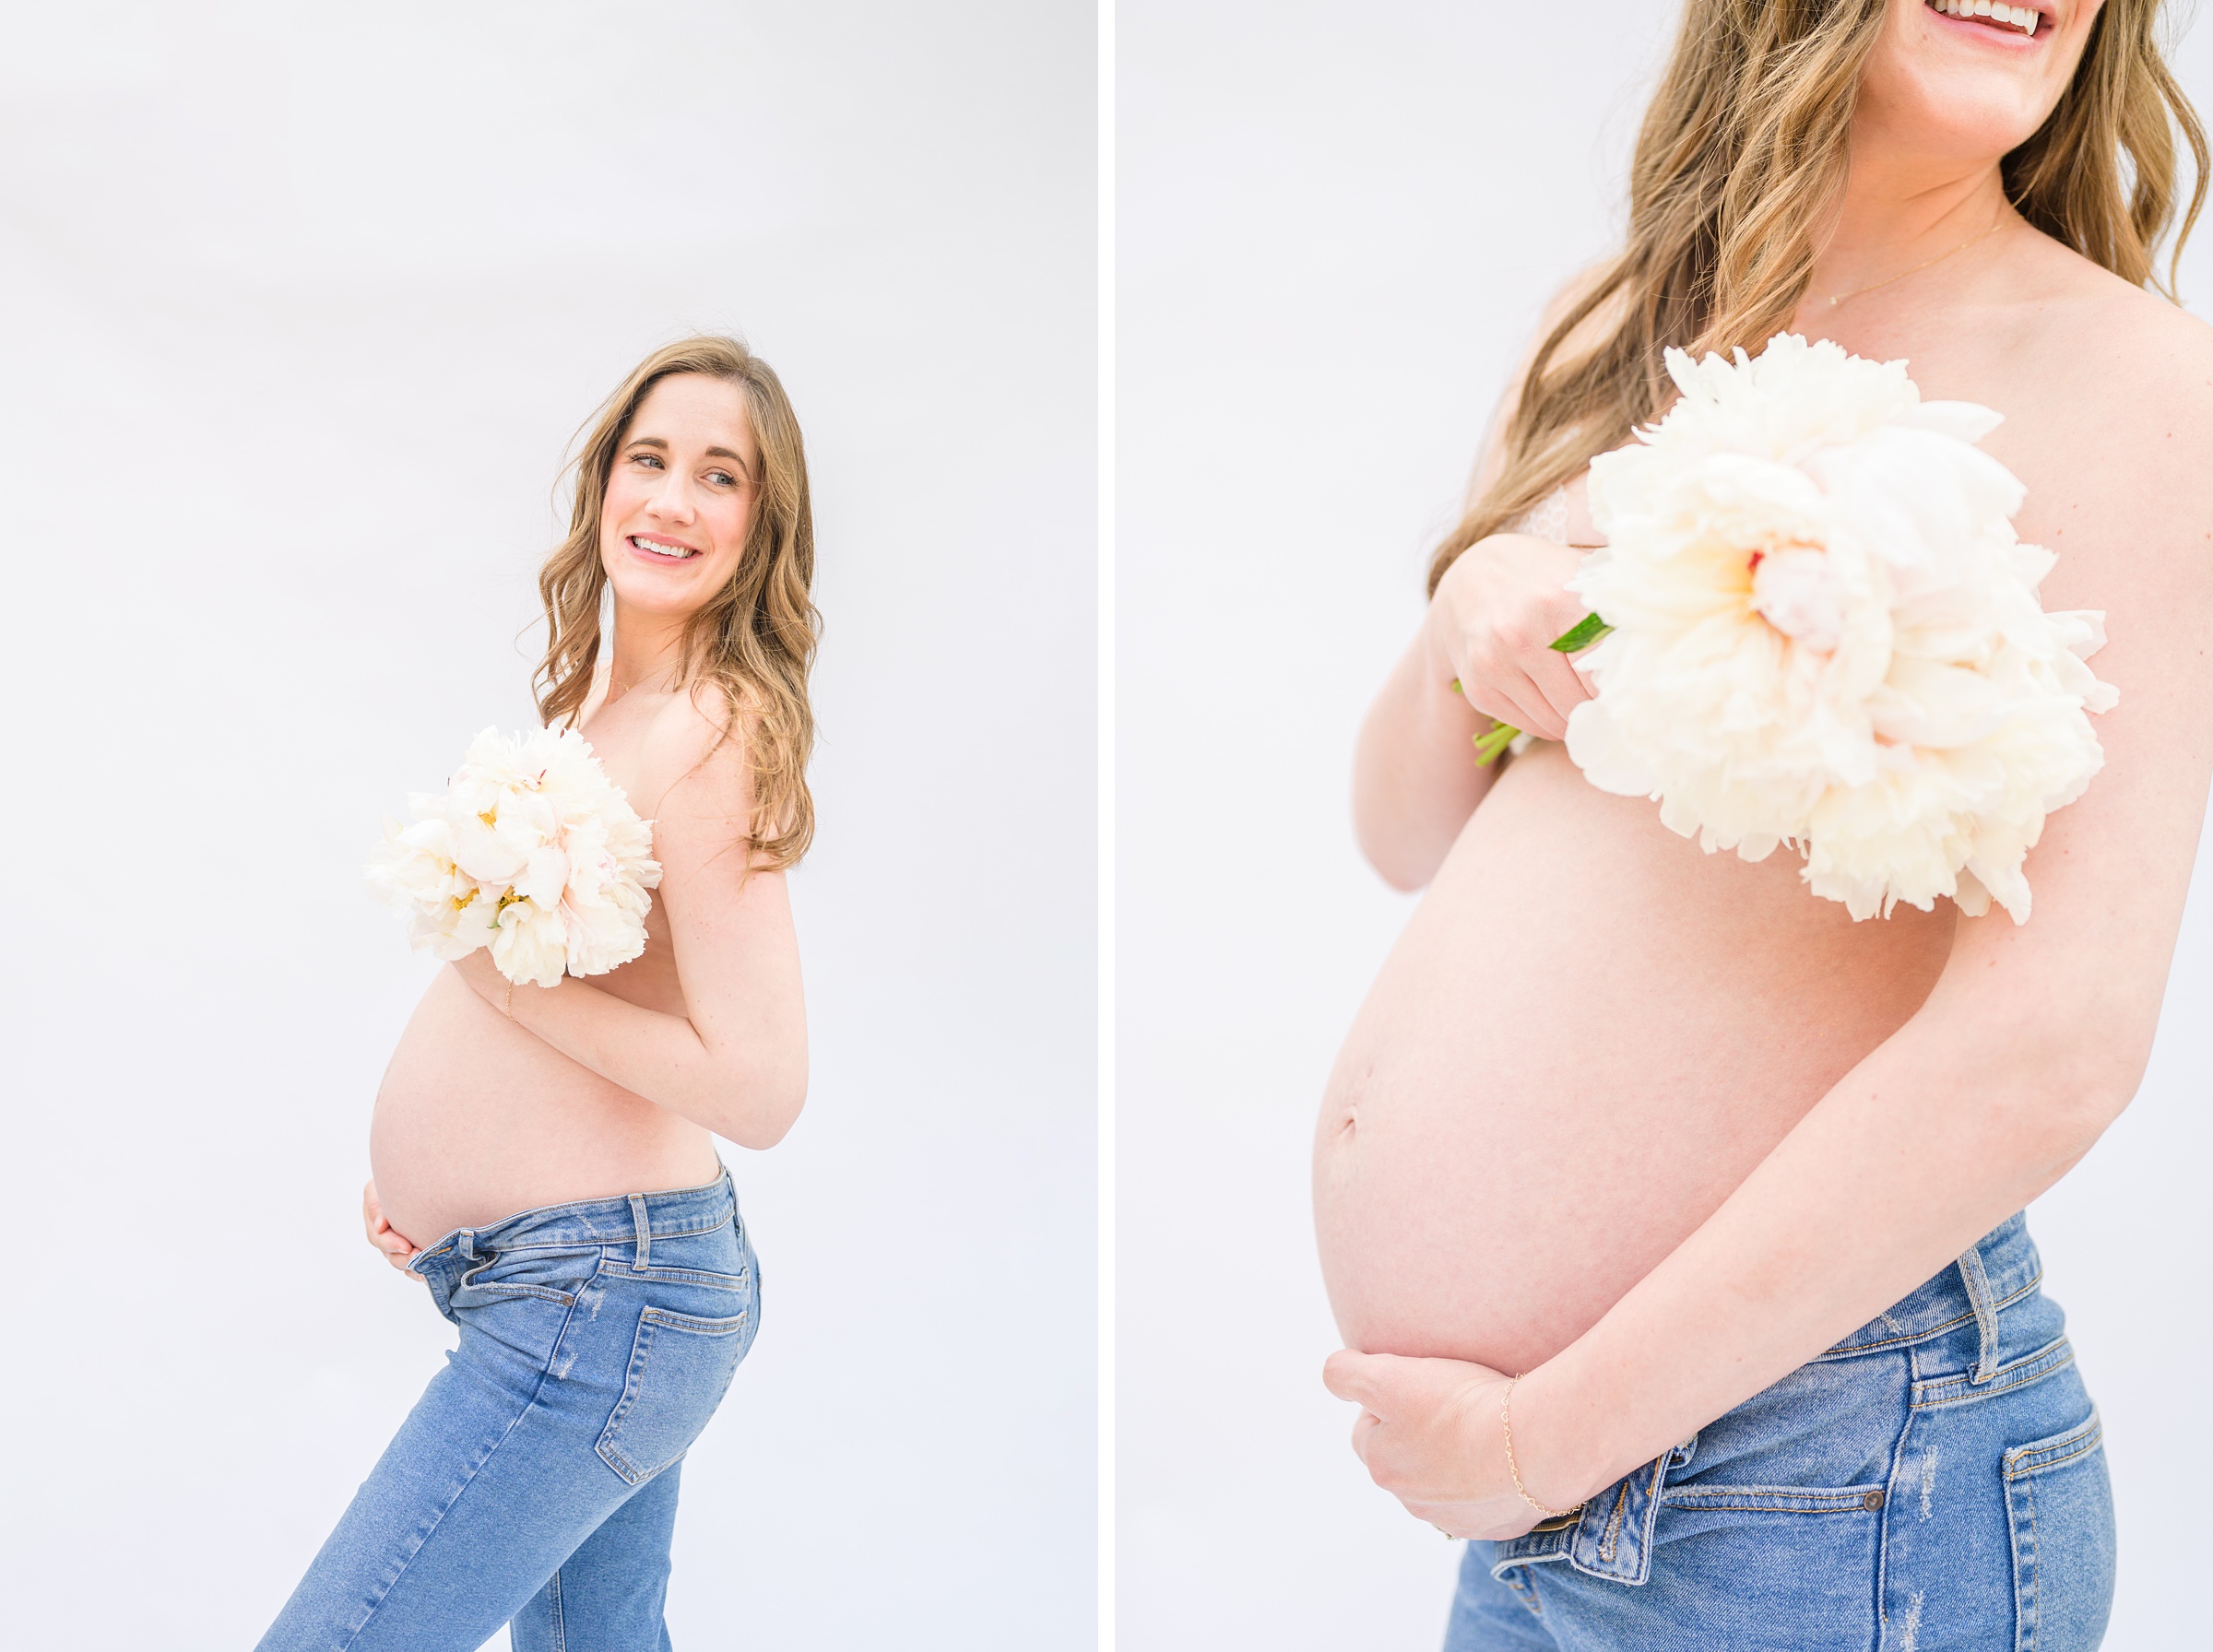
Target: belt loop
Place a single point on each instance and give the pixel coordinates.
(1986, 1317)
(644, 1227)
(466, 1242)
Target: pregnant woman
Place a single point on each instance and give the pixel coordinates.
(1671, 1217)
(542, 1156)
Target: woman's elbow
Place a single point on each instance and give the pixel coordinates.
(1399, 861)
(2070, 1090)
(763, 1104)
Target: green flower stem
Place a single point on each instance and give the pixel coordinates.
(1581, 634)
(1489, 746)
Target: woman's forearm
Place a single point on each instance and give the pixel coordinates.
(745, 1089)
(1416, 780)
(1919, 1151)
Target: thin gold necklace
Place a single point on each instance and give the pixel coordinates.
(1838, 298)
(616, 689)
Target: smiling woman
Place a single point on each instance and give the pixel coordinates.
(542, 1156)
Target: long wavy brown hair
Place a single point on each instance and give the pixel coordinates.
(754, 639)
(1739, 165)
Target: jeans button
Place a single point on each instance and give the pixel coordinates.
(1872, 1499)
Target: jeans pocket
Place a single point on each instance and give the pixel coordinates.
(2059, 1510)
(680, 1366)
(552, 1273)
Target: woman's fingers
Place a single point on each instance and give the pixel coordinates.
(397, 1248)
(1522, 681)
(1510, 697)
(1563, 687)
(1497, 612)
(1363, 1426)
(1351, 1374)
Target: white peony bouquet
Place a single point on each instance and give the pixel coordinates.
(532, 852)
(1817, 628)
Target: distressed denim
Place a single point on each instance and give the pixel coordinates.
(534, 1482)
(1935, 1482)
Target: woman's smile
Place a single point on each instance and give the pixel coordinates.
(654, 548)
(1993, 17)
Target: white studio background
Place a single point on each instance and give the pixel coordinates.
(299, 309)
(1337, 223)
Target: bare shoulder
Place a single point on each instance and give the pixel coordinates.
(2110, 394)
(696, 746)
(2127, 355)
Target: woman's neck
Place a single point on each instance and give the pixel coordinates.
(647, 647)
(1896, 216)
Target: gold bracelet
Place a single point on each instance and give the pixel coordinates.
(1506, 1423)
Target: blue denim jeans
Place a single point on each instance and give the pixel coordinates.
(1935, 1482)
(534, 1484)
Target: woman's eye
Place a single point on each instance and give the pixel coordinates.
(722, 478)
(652, 459)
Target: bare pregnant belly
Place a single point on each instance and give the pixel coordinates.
(1588, 1035)
(477, 1120)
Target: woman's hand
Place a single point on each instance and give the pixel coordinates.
(398, 1249)
(1431, 1435)
(1492, 624)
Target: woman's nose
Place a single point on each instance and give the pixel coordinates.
(672, 500)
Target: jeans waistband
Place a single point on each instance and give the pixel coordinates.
(1998, 1269)
(632, 1218)
(1612, 1535)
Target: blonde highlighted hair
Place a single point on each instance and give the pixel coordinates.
(754, 639)
(1739, 164)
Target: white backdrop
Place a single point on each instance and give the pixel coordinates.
(1337, 224)
(299, 310)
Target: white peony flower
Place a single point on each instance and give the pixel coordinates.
(532, 852)
(1825, 634)
(531, 944)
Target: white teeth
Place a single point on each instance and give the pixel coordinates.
(2023, 18)
(662, 551)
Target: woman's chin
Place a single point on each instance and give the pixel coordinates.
(672, 593)
(1971, 118)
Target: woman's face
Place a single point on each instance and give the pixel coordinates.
(1967, 89)
(680, 496)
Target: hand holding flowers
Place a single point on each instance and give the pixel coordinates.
(533, 853)
(1490, 629)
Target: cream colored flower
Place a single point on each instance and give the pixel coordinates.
(1825, 634)
(532, 852)
(531, 944)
